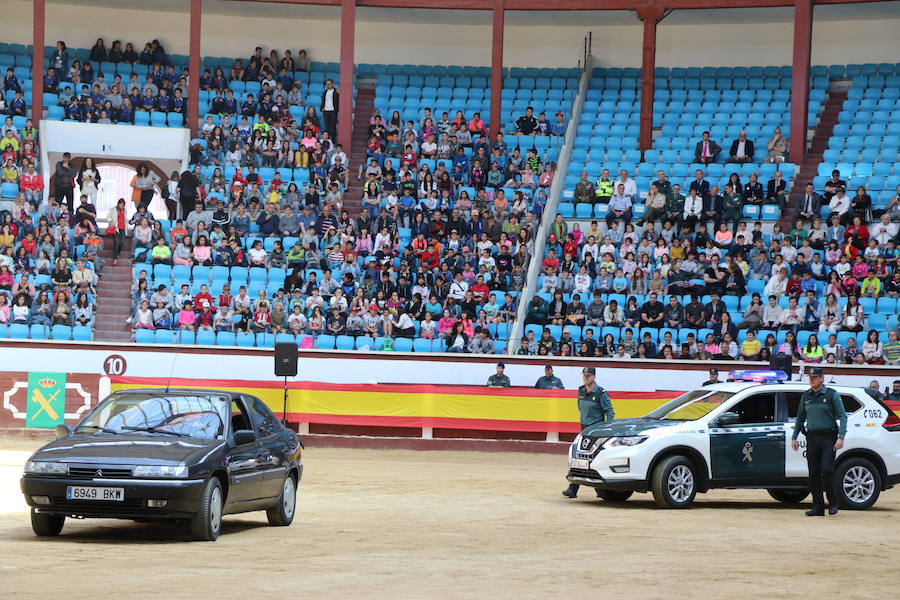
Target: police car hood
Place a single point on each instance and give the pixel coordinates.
(624, 427)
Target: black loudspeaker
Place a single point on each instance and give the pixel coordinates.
(285, 359)
(781, 362)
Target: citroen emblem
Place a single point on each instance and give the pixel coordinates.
(99, 473)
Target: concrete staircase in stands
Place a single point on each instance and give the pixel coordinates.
(810, 167)
(362, 112)
(114, 295)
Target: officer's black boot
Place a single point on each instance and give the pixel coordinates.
(831, 493)
(571, 491)
(818, 507)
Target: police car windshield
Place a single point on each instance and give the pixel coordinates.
(690, 406)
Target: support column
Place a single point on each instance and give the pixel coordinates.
(803, 13)
(650, 16)
(193, 104)
(37, 66)
(345, 105)
(496, 121)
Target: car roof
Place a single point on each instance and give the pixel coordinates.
(739, 386)
(177, 391)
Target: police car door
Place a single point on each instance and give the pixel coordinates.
(795, 464)
(749, 449)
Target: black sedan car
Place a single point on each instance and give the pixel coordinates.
(148, 454)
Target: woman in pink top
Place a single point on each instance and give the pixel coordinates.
(476, 125)
(445, 323)
(363, 245)
(202, 252)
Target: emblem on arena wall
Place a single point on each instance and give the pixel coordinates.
(40, 400)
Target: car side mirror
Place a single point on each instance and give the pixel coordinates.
(727, 419)
(244, 436)
(63, 431)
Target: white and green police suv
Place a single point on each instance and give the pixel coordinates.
(736, 435)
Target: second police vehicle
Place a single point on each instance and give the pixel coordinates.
(736, 435)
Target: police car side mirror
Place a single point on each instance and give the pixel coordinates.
(727, 419)
(63, 431)
(244, 436)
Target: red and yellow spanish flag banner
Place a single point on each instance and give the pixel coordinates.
(419, 405)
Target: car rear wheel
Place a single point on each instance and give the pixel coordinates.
(789, 496)
(674, 482)
(45, 525)
(282, 513)
(207, 523)
(614, 495)
(858, 483)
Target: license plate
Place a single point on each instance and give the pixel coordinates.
(80, 492)
(579, 463)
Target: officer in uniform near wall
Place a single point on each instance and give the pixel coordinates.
(594, 407)
(548, 381)
(821, 409)
(498, 379)
(713, 377)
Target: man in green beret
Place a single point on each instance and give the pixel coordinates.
(594, 407)
(825, 420)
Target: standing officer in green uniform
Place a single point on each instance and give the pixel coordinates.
(498, 379)
(594, 407)
(820, 410)
(548, 381)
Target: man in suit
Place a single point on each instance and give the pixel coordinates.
(712, 206)
(776, 190)
(329, 107)
(809, 203)
(706, 150)
(741, 149)
(701, 185)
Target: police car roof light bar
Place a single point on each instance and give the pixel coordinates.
(759, 376)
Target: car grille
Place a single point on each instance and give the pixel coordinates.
(99, 473)
(584, 473)
(95, 506)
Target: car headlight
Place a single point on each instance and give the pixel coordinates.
(626, 440)
(39, 467)
(160, 471)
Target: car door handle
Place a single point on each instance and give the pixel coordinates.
(776, 435)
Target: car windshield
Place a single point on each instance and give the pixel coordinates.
(690, 406)
(201, 416)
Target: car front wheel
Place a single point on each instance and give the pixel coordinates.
(788, 496)
(674, 482)
(282, 513)
(614, 495)
(207, 523)
(45, 525)
(858, 483)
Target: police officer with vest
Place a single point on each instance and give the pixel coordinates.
(548, 381)
(594, 407)
(825, 420)
(499, 379)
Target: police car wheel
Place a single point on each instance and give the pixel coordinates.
(789, 496)
(614, 495)
(674, 482)
(858, 483)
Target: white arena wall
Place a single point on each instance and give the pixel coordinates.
(371, 393)
(841, 33)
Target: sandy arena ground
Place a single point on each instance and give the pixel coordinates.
(399, 524)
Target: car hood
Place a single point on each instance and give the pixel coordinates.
(125, 449)
(623, 427)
